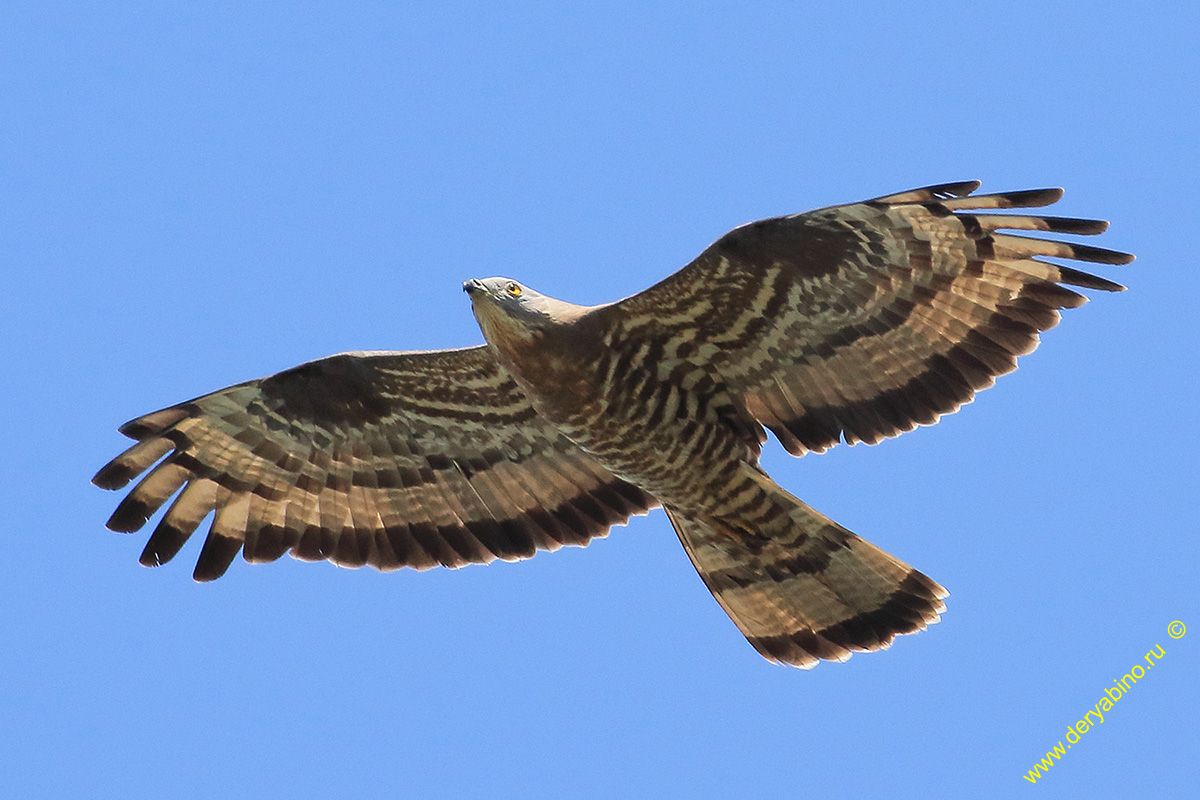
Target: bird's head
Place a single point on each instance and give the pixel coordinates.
(510, 313)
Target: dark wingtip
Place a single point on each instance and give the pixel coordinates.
(926, 194)
(1032, 198)
(155, 422)
(1075, 277)
(131, 514)
(1082, 227)
(945, 191)
(1099, 255)
(215, 557)
(149, 558)
(134, 429)
(166, 541)
(113, 475)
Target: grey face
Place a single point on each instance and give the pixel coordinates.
(495, 288)
(517, 301)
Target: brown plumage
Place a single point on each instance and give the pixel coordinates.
(851, 323)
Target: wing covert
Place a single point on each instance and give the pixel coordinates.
(388, 459)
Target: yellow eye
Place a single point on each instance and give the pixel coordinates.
(513, 288)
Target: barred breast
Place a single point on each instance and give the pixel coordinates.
(665, 426)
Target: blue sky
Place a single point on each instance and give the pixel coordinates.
(197, 194)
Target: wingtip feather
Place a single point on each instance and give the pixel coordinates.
(154, 422)
(1075, 277)
(113, 475)
(925, 194)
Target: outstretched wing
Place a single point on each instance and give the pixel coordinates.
(859, 322)
(388, 459)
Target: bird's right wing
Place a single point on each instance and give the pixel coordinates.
(389, 459)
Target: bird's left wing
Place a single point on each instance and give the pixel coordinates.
(859, 322)
(388, 459)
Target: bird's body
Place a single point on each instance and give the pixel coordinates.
(852, 323)
(649, 427)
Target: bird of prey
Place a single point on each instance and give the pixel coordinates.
(850, 323)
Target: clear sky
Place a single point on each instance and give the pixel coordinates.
(194, 194)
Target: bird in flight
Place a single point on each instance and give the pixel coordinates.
(851, 323)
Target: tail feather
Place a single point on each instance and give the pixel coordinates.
(802, 588)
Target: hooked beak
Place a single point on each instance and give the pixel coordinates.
(472, 286)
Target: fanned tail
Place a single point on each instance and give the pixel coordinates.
(802, 588)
